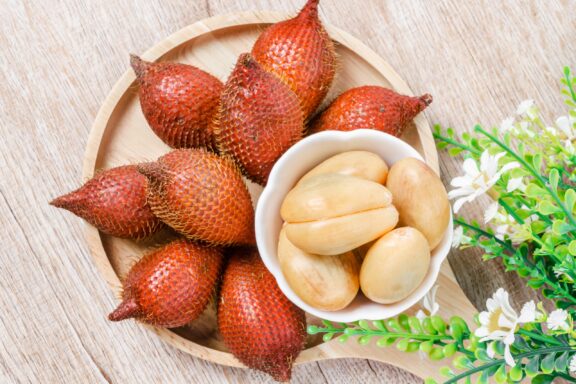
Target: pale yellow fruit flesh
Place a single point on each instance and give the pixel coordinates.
(361, 164)
(395, 266)
(342, 234)
(332, 195)
(421, 198)
(327, 283)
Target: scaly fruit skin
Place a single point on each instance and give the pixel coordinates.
(114, 201)
(202, 196)
(300, 52)
(171, 286)
(259, 119)
(179, 101)
(258, 324)
(371, 107)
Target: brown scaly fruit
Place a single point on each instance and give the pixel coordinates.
(114, 201)
(202, 196)
(259, 119)
(171, 286)
(179, 101)
(300, 52)
(371, 107)
(258, 324)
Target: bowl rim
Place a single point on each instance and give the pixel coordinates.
(276, 185)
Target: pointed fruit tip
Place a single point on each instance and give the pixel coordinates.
(310, 9)
(153, 171)
(427, 99)
(138, 65)
(126, 310)
(66, 201)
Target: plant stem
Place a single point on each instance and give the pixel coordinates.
(537, 336)
(568, 78)
(530, 169)
(375, 332)
(455, 143)
(518, 357)
(484, 233)
(566, 377)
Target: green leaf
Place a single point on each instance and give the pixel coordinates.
(553, 178)
(343, 338)
(572, 248)
(446, 372)
(546, 207)
(386, 341)
(516, 373)
(450, 349)
(379, 324)
(394, 324)
(313, 329)
(364, 325)
(427, 325)
(414, 323)
(483, 379)
(327, 337)
(402, 345)
(455, 151)
(403, 320)
(560, 227)
(462, 362)
(547, 364)
(542, 379)
(500, 376)
(537, 161)
(436, 354)
(426, 346)
(532, 368)
(482, 355)
(561, 362)
(439, 324)
(364, 340)
(534, 191)
(413, 346)
(570, 199)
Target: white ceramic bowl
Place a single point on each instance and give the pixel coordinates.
(298, 160)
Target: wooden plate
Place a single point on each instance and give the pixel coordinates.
(120, 135)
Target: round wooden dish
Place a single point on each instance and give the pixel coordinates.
(120, 135)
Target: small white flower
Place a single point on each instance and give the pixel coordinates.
(506, 225)
(552, 131)
(507, 124)
(457, 237)
(528, 108)
(491, 212)
(572, 367)
(567, 126)
(514, 184)
(476, 182)
(429, 305)
(558, 320)
(500, 322)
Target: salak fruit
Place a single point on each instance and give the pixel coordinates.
(300, 52)
(258, 324)
(179, 101)
(371, 107)
(114, 201)
(259, 119)
(202, 196)
(171, 286)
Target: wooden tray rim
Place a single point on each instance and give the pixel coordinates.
(93, 148)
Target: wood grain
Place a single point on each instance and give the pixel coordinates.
(58, 61)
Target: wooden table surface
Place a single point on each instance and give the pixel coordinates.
(59, 59)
